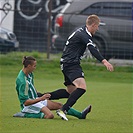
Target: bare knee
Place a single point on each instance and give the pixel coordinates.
(49, 116)
(71, 88)
(80, 83)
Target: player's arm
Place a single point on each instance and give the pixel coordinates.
(95, 53)
(33, 101)
(99, 57)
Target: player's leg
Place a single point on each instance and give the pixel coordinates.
(80, 115)
(76, 94)
(75, 113)
(47, 112)
(74, 78)
(57, 94)
(63, 93)
(38, 110)
(43, 105)
(54, 105)
(71, 88)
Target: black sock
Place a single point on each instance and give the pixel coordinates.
(39, 94)
(74, 96)
(58, 94)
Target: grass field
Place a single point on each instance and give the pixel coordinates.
(109, 93)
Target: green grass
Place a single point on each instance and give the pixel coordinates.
(109, 93)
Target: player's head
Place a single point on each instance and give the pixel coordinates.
(92, 23)
(29, 62)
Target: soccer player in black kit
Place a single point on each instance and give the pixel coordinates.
(70, 62)
(70, 65)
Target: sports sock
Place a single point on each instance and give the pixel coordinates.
(40, 94)
(58, 94)
(74, 112)
(74, 96)
(33, 115)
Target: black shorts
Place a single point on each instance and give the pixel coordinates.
(71, 72)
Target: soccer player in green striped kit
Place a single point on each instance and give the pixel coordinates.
(33, 106)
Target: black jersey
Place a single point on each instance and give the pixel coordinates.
(76, 46)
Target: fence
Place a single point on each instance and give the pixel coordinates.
(31, 19)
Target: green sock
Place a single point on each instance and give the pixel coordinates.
(32, 115)
(75, 113)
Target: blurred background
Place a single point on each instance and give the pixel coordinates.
(44, 25)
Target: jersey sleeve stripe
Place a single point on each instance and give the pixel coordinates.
(90, 43)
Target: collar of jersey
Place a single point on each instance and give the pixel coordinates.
(88, 32)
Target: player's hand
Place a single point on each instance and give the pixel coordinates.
(108, 65)
(45, 96)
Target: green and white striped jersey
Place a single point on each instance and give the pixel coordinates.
(25, 87)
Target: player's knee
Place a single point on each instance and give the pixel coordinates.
(49, 116)
(82, 86)
(80, 83)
